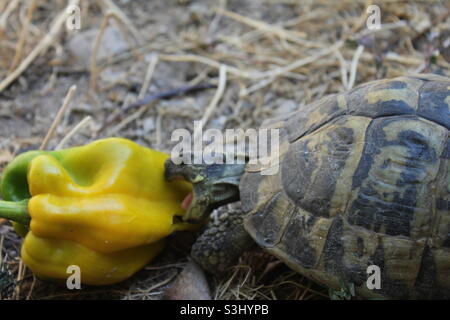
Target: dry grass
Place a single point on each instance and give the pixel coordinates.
(263, 57)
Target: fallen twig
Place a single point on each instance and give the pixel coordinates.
(215, 100)
(157, 96)
(58, 117)
(72, 132)
(23, 35)
(41, 47)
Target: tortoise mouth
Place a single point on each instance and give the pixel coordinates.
(187, 201)
(213, 185)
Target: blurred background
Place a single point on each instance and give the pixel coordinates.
(141, 69)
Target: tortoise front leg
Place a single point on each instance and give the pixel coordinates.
(223, 241)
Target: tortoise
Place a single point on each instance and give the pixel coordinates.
(363, 180)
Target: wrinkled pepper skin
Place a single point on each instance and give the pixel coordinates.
(104, 206)
(49, 258)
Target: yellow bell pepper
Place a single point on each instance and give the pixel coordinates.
(104, 207)
(50, 258)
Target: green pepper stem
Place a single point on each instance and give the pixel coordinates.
(15, 211)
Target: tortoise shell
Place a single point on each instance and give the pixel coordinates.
(363, 179)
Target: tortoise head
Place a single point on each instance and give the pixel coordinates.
(213, 186)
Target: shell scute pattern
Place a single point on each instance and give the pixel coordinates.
(364, 179)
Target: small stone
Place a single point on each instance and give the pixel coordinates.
(148, 125)
(191, 284)
(81, 44)
(218, 123)
(286, 107)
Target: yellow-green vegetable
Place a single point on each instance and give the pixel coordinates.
(104, 206)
